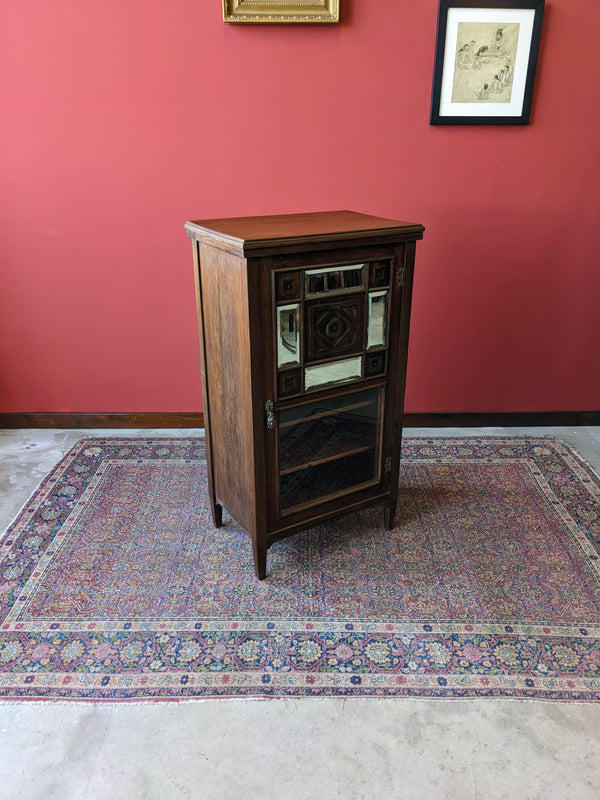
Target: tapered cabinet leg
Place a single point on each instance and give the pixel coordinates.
(389, 515)
(260, 558)
(217, 513)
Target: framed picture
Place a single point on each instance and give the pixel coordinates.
(485, 59)
(281, 11)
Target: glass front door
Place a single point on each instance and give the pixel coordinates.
(329, 448)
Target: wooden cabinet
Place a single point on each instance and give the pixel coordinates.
(303, 322)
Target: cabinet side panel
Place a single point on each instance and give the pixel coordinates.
(228, 381)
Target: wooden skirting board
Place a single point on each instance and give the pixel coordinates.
(76, 421)
(451, 420)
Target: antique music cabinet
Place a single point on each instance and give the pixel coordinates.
(303, 322)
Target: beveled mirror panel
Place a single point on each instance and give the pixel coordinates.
(281, 11)
(334, 280)
(377, 321)
(288, 335)
(337, 372)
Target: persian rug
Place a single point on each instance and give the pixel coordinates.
(114, 585)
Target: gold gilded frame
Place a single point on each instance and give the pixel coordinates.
(281, 11)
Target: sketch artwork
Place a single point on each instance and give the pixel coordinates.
(485, 59)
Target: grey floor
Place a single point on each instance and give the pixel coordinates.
(297, 749)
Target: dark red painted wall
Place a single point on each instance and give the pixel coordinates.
(120, 120)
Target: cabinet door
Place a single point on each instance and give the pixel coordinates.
(334, 322)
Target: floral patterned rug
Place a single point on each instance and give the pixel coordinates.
(114, 585)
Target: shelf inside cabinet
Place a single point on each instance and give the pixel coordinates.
(326, 480)
(327, 443)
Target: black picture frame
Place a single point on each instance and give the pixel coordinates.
(482, 77)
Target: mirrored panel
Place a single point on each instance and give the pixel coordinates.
(335, 372)
(288, 335)
(377, 320)
(332, 280)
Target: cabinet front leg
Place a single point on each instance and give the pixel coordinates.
(389, 514)
(259, 547)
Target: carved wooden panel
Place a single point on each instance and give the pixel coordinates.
(379, 274)
(287, 286)
(375, 363)
(334, 328)
(289, 382)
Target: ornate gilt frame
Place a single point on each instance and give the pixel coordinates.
(281, 11)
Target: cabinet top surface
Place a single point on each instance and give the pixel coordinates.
(254, 233)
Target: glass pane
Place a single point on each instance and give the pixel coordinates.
(335, 372)
(313, 484)
(377, 323)
(331, 280)
(329, 447)
(288, 335)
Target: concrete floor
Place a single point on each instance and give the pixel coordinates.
(297, 749)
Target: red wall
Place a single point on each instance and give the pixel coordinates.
(120, 120)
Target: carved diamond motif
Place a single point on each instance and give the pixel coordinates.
(335, 330)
